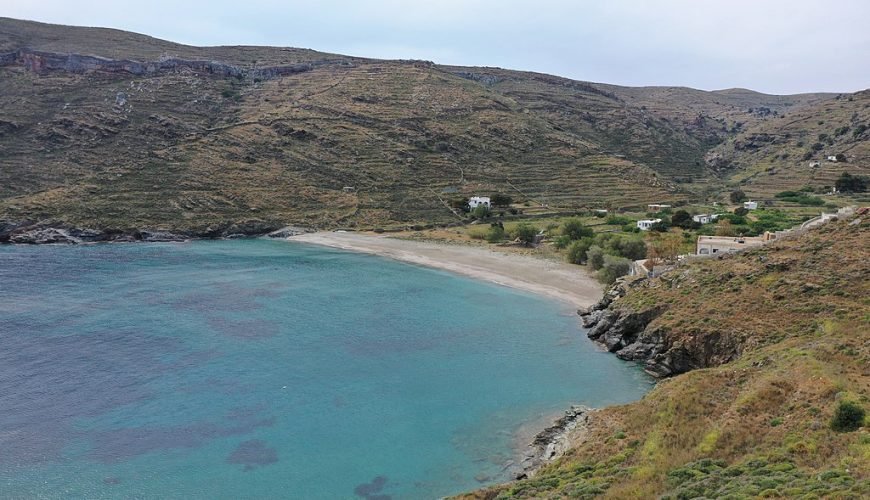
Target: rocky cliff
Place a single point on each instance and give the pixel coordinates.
(629, 332)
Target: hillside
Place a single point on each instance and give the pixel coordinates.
(765, 345)
(117, 132)
(776, 154)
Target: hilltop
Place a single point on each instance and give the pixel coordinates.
(117, 132)
(766, 345)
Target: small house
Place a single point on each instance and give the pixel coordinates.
(832, 158)
(656, 207)
(815, 163)
(705, 218)
(348, 189)
(750, 205)
(476, 201)
(646, 224)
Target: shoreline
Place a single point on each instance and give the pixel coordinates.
(566, 283)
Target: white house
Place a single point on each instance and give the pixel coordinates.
(705, 218)
(832, 158)
(815, 163)
(750, 205)
(645, 224)
(476, 201)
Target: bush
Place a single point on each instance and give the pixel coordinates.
(575, 230)
(612, 268)
(500, 200)
(737, 196)
(595, 257)
(848, 417)
(525, 233)
(741, 211)
(681, 218)
(578, 249)
(562, 242)
(480, 211)
(618, 220)
(851, 183)
(495, 234)
(631, 248)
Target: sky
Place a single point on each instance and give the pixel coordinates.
(773, 46)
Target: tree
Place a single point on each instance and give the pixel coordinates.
(741, 211)
(480, 211)
(682, 219)
(725, 228)
(664, 247)
(575, 230)
(848, 417)
(595, 257)
(848, 183)
(737, 196)
(841, 157)
(612, 268)
(495, 233)
(500, 200)
(525, 233)
(631, 248)
(577, 251)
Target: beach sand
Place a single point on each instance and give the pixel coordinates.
(555, 279)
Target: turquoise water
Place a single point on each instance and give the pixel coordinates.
(254, 368)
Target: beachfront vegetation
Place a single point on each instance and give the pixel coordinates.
(525, 233)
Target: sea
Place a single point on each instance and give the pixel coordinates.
(271, 369)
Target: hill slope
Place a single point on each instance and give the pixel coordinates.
(775, 338)
(116, 131)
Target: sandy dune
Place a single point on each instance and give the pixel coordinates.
(555, 279)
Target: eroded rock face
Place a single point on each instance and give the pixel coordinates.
(632, 336)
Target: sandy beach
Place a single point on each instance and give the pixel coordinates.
(558, 280)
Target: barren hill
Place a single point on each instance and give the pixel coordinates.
(116, 131)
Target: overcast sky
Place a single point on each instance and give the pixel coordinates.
(774, 46)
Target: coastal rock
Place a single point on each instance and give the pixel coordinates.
(286, 232)
(158, 236)
(43, 236)
(553, 442)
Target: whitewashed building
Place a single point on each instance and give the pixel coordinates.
(832, 158)
(705, 218)
(750, 205)
(645, 224)
(476, 201)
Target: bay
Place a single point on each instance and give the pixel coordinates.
(266, 369)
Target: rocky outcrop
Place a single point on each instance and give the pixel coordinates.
(27, 232)
(631, 335)
(41, 61)
(553, 442)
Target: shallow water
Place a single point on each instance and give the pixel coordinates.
(254, 368)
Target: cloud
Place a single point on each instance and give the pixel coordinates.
(775, 46)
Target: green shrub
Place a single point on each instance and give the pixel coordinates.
(613, 268)
(849, 416)
(595, 257)
(525, 233)
(495, 234)
(574, 229)
(577, 251)
(618, 220)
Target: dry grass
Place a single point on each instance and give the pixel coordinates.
(758, 425)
